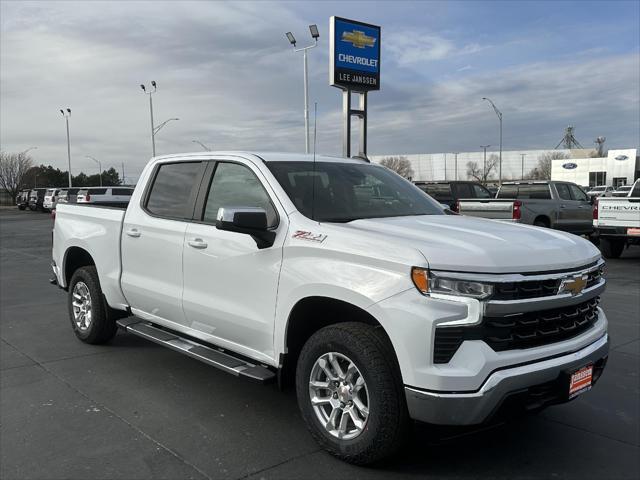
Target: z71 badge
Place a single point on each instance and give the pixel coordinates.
(314, 237)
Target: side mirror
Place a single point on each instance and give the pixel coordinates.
(248, 220)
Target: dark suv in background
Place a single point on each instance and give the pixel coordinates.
(36, 199)
(448, 193)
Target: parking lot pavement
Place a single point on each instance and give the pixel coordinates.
(132, 409)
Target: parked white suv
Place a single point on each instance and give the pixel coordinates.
(105, 195)
(344, 278)
(50, 199)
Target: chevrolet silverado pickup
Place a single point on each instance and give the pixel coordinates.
(341, 278)
(616, 221)
(558, 205)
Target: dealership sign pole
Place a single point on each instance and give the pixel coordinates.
(354, 67)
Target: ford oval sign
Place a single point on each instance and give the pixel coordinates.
(621, 157)
(569, 166)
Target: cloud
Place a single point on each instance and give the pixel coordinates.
(412, 47)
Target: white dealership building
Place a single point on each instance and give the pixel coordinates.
(516, 164)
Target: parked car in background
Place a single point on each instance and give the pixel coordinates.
(22, 200)
(50, 199)
(68, 195)
(36, 199)
(622, 191)
(448, 193)
(616, 221)
(560, 205)
(110, 196)
(341, 277)
(601, 191)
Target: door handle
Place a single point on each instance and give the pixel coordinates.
(197, 243)
(133, 232)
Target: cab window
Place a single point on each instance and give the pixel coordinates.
(234, 185)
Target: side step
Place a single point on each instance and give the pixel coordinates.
(222, 360)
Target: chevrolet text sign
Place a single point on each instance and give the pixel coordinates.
(355, 55)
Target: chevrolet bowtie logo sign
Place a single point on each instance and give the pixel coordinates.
(573, 285)
(358, 38)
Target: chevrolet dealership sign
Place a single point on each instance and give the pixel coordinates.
(355, 55)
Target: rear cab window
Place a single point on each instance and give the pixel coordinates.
(173, 190)
(439, 191)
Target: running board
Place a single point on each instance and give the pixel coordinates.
(222, 360)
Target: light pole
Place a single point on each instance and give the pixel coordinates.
(456, 164)
(315, 35)
(484, 165)
(153, 132)
(522, 155)
(207, 149)
(24, 152)
(66, 116)
(99, 166)
(159, 127)
(499, 114)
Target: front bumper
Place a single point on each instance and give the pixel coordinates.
(471, 408)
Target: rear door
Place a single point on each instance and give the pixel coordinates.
(567, 208)
(230, 285)
(152, 241)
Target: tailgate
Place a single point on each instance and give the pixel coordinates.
(495, 209)
(618, 212)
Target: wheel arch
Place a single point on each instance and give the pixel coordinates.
(309, 315)
(544, 219)
(75, 258)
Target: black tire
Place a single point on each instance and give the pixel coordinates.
(611, 248)
(387, 425)
(21, 207)
(541, 222)
(102, 326)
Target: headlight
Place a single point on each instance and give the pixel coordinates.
(427, 282)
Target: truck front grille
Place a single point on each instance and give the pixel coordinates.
(526, 330)
(536, 288)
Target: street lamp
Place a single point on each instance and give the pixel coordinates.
(66, 116)
(202, 145)
(484, 165)
(99, 166)
(24, 152)
(499, 114)
(522, 155)
(315, 34)
(456, 164)
(157, 129)
(150, 93)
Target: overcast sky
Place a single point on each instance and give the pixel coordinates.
(227, 71)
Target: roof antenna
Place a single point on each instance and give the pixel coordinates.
(313, 185)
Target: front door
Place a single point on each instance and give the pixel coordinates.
(230, 285)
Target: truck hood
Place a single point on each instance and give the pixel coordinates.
(466, 244)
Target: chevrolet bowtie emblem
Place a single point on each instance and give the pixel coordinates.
(358, 38)
(574, 285)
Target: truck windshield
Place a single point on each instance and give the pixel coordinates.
(345, 191)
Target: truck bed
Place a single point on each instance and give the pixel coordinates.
(496, 209)
(97, 230)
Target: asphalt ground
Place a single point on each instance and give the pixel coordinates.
(132, 409)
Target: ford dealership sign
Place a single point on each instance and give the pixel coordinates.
(355, 55)
(621, 157)
(570, 165)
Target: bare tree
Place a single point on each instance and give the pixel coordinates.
(476, 172)
(13, 167)
(400, 165)
(542, 171)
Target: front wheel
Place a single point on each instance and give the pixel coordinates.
(611, 248)
(350, 393)
(89, 315)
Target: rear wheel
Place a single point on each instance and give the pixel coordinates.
(541, 222)
(611, 248)
(89, 315)
(350, 393)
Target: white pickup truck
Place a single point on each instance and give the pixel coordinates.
(616, 221)
(345, 279)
